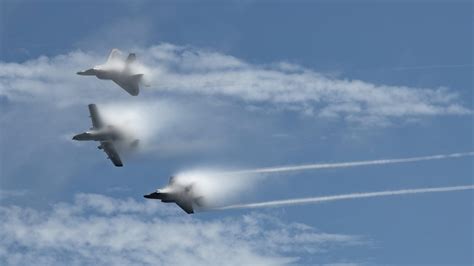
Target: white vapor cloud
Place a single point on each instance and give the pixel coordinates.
(100, 230)
(165, 126)
(186, 70)
(144, 121)
(314, 200)
(215, 188)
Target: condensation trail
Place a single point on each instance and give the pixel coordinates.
(314, 200)
(348, 164)
(431, 67)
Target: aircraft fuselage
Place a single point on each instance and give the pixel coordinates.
(164, 197)
(105, 74)
(167, 195)
(181, 195)
(97, 135)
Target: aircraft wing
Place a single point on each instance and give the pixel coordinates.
(111, 153)
(95, 117)
(130, 84)
(187, 206)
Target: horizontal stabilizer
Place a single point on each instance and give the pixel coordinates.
(134, 143)
(130, 83)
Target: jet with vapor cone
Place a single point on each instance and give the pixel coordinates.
(183, 195)
(119, 71)
(106, 134)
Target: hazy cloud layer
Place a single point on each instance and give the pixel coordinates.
(186, 70)
(97, 229)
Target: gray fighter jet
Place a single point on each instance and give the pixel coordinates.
(106, 134)
(183, 195)
(117, 70)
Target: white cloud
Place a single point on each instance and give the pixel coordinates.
(96, 229)
(185, 70)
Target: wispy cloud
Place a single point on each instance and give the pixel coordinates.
(187, 70)
(96, 229)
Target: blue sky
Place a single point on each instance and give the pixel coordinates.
(240, 86)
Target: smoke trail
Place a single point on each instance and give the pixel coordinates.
(348, 164)
(277, 203)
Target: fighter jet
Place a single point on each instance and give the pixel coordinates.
(106, 134)
(118, 71)
(183, 195)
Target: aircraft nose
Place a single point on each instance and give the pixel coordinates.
(87, 72)
(153, 195)
(82, 136)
